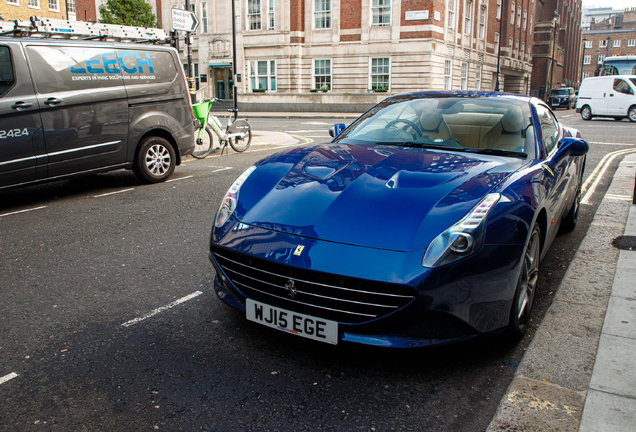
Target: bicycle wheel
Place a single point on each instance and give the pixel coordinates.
(240, 144)
(203, 146)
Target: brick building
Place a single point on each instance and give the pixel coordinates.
(357, 49)
(23, 9)
(556, 53)
(614, 36)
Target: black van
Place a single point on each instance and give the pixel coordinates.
(70, 108)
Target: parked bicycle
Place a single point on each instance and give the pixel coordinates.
(237, 131)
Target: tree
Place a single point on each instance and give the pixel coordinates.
(128, 12)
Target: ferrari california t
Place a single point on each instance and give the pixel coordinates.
(422, 223)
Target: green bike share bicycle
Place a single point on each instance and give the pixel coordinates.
(237, 132)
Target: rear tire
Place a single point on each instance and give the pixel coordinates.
(203, 146)
(240, 145)
(526, 287)
(586, 113)
(632, 114)
(155, 160)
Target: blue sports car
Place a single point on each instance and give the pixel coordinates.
(421, 223)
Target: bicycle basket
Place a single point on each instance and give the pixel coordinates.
(201, 110)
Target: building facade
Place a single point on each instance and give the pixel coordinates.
(614, 36)
(557, 46)
(12, 10)
(346, 55)
(591, 16)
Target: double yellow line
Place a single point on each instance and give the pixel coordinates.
(590, 185)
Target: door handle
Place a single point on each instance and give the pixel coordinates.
(611, 94)
(53, 101)
(20, 106)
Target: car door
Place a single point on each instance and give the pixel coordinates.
(621, 98)
(20, 126)
(83, 106)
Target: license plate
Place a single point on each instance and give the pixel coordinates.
(306, 326)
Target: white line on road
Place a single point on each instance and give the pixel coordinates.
(599, 172)
(21, 211)
(113, 193)
(161, 309)
(221, 169)
(182, 178)
(618, 144)
(8, 377)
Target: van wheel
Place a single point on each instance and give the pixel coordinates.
(632, 114)
(586, 113)
(155, 160)
(567, 105)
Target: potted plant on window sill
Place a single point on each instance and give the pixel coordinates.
(319, 90)
(378, 90)
(259, 90)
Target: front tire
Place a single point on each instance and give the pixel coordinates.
(203, 146)
(526, 287)
(586, 113)
(570, 220)
(632, 114)
(155, 160)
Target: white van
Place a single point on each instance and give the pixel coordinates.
(608, 96)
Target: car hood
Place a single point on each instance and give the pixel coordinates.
(385, 197)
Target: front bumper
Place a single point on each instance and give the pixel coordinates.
(460, 301)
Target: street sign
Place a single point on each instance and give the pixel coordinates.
(184, 20)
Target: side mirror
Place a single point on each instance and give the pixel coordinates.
(336, 129)
(571, 147)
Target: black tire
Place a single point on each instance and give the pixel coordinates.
(570, 220)
(567, 105)
(204, 145)
(526, 287)
(632, 114)
(155, 160)
(586, 112)
(240, 145)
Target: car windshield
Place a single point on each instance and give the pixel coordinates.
(479, 124)
(558, 92)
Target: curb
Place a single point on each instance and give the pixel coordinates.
(550, 386)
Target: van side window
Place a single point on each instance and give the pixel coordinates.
(549, 130)
(141, 66)
(622, 87)
(6, 70)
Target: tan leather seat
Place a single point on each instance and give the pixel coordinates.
(432, 122)
(506, 134)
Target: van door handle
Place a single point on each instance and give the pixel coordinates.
(21, 105)
(611, 94)
(53, 101)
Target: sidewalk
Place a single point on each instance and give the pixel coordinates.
(579, 371)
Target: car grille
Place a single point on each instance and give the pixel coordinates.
(329, 296)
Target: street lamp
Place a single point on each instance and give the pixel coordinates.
(556, 23)
(583, 58)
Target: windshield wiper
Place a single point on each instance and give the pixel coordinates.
(499, 152)
(422, 145)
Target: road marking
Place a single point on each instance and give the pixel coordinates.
(305, 131)
(8, 377)
(619, 144)
(113, 193)
(21, 211)
(161, 309)
(221, 169)
(618, 197)
(599, 172)
(181, 178)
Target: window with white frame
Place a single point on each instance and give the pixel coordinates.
(631, 42)
(464, 81)
(600, 59)
(586, 74)
(70, 6)
(498, 9)
(519, 16)
(270, 15)
(254, 14)
(512, 14)
(602, 43)
(482, 22)
(262, 74)
(380, 73)
(451, 13)
(588, 44)
(468, 17)
(322, 14)
(478, 77)
(617, 43)
(510, 43)
(13, 2)
(381, 12)
(496, 43)
(322, 74)
(54, 6)
(204, 17)
(525, 19)
(587, 59)
(448, 78)
(34, 4)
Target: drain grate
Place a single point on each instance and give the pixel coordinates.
(625, 243)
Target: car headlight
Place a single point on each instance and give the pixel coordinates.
(228, 205)
(462, 239)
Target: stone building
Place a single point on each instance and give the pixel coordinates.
(346, 55)
(556, 53)
(614, 36)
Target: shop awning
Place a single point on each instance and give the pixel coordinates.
(220, 64)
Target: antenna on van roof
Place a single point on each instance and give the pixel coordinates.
(62, 29)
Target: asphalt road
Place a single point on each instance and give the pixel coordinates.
(108, 322)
